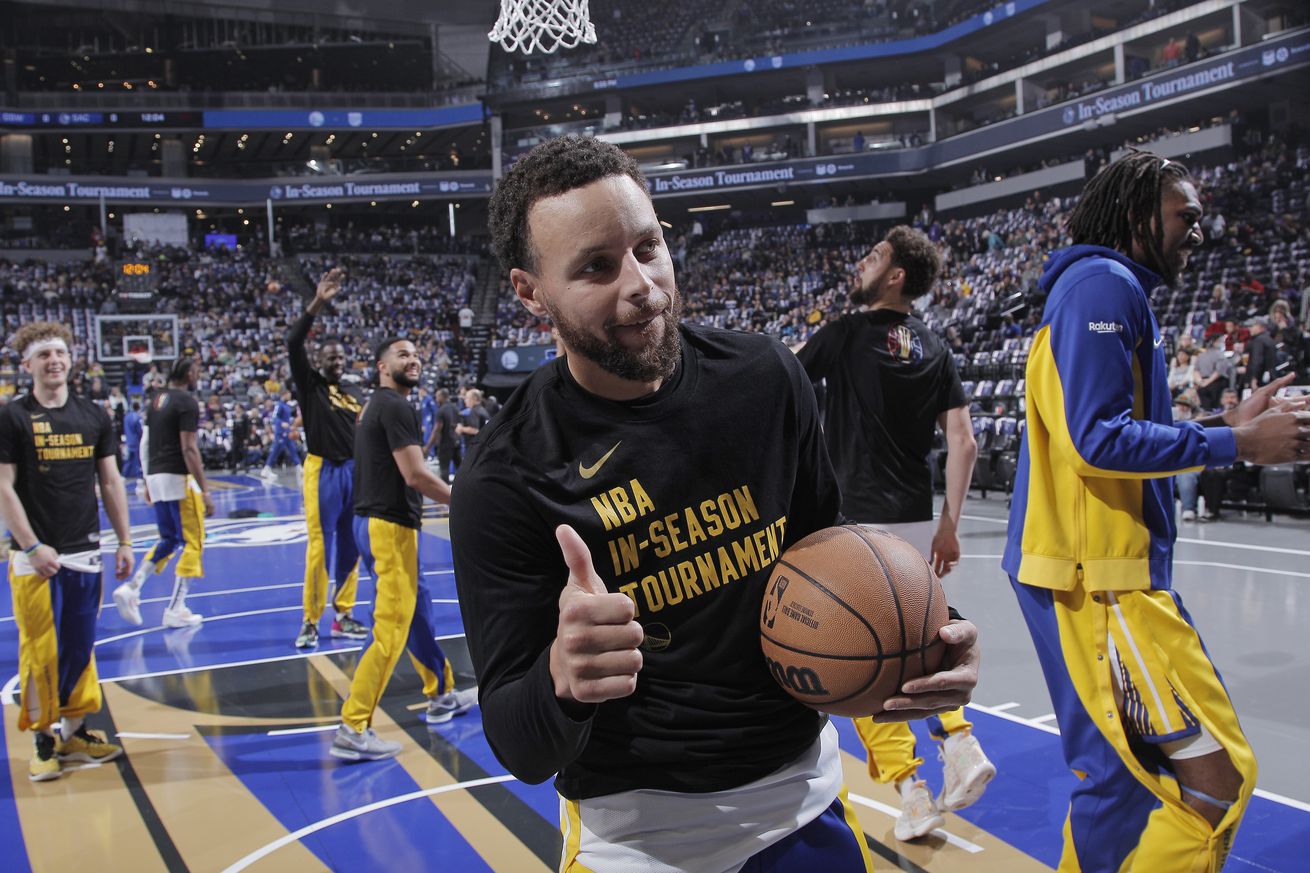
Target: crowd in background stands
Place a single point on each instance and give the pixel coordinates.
(233, 315)
(1245, 293)
(790, 280)
(427, 239)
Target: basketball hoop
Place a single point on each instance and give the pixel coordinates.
(141, 357)
(542, 25)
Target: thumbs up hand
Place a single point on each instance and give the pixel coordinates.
(595, 656)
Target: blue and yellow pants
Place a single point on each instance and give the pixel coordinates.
(329, 517)
(890, 747)
(402, 618)
(1127, 812)
(181, 524)
(56, 620)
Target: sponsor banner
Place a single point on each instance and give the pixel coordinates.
(867, 51)
(344, 119)
(242, 192)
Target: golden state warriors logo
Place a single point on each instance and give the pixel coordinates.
(903, 345)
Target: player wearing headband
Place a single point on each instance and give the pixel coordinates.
(54, 449)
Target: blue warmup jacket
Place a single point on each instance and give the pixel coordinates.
(1093, 502)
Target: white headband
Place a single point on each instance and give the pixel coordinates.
(53, 342)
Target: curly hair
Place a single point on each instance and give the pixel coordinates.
(914, 253)
(552, 168)
(38, 331)
(1118, 204)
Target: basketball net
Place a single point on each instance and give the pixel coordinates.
(542, 25)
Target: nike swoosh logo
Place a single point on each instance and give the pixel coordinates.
(36, 415)
(587, 472)
(1159, 342)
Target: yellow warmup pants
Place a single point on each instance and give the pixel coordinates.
(401, 619)
(329, 514)
(56, 620)
(1127, 812)
(181, 523)
(890, 747)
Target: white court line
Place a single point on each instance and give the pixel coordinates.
(958, 842)
(1224, 544)
(194, 594)
(131, 735)
(296, 836)
(1044, 719)
(1002, 707)
(1051, 729)
(9, 695)
(312, 729)
(1241, 567)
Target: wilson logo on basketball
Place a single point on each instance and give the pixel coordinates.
(797, 680)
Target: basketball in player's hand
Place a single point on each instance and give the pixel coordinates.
(850, 615)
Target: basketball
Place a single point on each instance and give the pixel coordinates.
(851, 614)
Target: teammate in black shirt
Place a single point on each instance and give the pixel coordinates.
(390, 484)
(450, 454)
(328, 409)
(176, 485)
(54, 448)
(613, 530)
(890, 382)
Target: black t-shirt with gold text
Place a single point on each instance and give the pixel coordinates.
(329, 412)
(169, 414)
(387, 423)
(55, 452)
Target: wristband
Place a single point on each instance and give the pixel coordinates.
(127, 543)
(32, 548)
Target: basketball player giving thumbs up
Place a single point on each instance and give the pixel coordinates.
(613, 531)
(595, 656)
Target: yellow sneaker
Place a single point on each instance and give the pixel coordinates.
(44, 765)
(88, 747)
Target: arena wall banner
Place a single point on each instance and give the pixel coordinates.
(344, 119)
(243, 192)
(1271, 57)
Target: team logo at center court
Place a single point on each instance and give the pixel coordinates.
(904, 345)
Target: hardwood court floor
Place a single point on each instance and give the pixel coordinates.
(227, 726)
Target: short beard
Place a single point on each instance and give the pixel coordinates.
(399, 376)
(656, 361)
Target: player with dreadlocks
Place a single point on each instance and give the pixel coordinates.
(1145, 720)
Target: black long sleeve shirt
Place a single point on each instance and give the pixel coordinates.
(686, 499)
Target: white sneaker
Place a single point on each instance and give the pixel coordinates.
(127, 597)
(442, 709)
(1189, 515)
(919, 812)
(365, 745)
(267, 474)
(182, 616)
(965, 772)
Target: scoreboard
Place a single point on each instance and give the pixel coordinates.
(135, 284)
